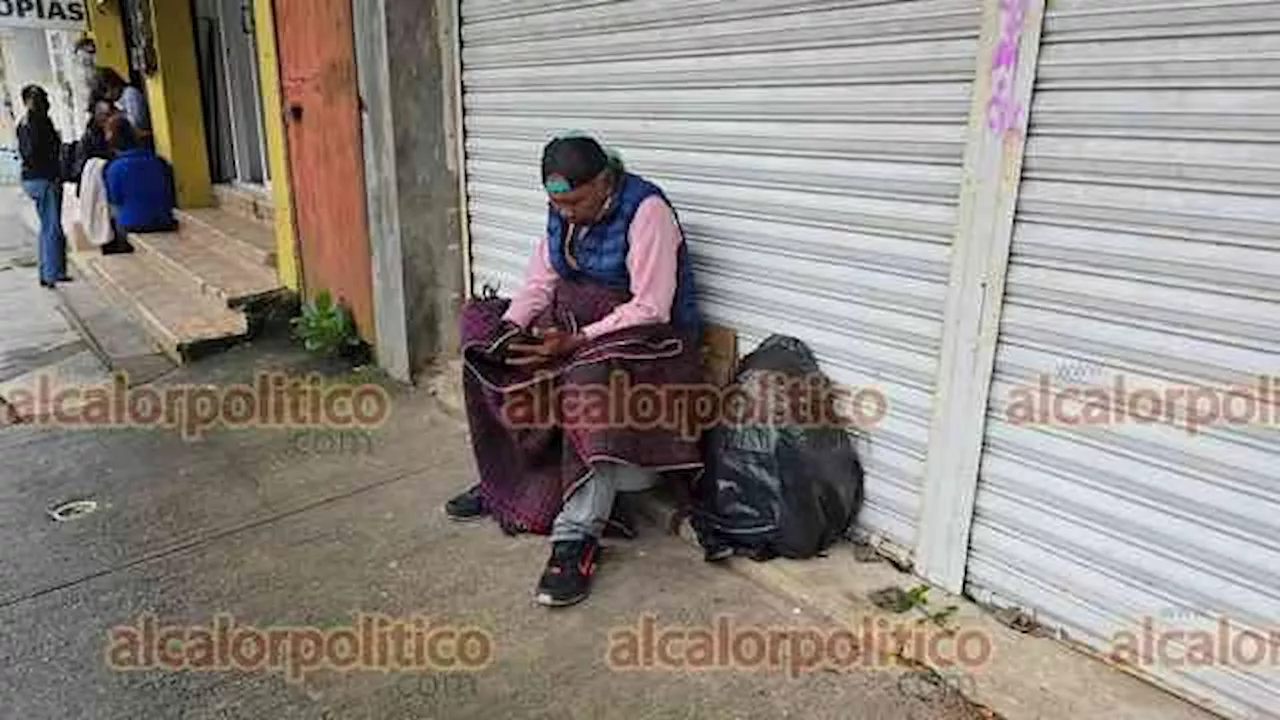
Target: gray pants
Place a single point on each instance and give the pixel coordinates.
(586, 511)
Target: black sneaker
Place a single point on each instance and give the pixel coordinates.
(567, 579)
(117, 246)
(469, 505)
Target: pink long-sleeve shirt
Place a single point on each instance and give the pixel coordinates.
(654, 240)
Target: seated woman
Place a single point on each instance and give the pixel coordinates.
(94, 208)
(139, 183)
(608, 296)
(93, 143)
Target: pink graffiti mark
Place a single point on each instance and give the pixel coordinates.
(1004, 112)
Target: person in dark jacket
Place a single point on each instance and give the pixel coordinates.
(41, 148)
(93, 143)
(139, 183)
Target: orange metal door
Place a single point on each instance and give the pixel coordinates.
(326, 162)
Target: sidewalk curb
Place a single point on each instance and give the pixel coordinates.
(1027, 677)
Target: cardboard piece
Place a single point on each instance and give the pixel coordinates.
(719, 354)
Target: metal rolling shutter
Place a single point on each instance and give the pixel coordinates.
(812, 148)
(1147, 244)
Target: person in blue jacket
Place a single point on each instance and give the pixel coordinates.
(140, 187)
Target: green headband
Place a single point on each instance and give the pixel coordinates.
(560, 184)
(557, 184)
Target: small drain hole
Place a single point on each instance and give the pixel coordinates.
(72, 510)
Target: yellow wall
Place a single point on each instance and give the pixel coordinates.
(173, 93)
(287, 266)
(108, 35)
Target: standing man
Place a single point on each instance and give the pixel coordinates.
(81, 72)
(41, 149)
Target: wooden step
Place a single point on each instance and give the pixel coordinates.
(183, 323)
(251, 240)
(250, 203)
(202, 257)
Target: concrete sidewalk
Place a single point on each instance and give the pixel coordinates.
(33, 333)
(283, 528)
(36, 337)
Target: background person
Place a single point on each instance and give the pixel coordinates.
(41, 148)
(130, 100)
(139, 184)
(82, 72)
(93, 153)
(93, 143)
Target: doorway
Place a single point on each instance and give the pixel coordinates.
(231, 90)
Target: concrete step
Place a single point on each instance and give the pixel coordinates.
(113, 335)
(200, 256)
(249, 239)
(250, 203)
(183, 322)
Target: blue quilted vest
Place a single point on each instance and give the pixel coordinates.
(601, 252)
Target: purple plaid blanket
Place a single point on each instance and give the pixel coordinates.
(535, 432)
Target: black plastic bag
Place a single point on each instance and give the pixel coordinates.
(789, 486)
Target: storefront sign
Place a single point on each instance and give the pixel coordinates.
(43, 14)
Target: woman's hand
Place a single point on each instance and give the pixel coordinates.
(555, 343)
